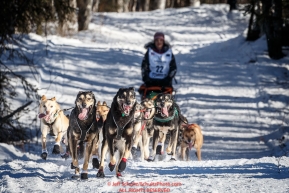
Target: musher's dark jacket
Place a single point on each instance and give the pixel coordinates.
(167, 81)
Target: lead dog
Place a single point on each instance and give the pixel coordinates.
(53, 122)
(191, 137)
(119, 130)
(83, 127)
(166, 120)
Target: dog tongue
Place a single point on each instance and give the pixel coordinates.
(147, 114)
(165, 111)
(41, 115)
(190, 145)
(126, 108)
(83, 114)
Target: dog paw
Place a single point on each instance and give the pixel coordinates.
(84, 176)
(118, 175)
(44, 155)
(173, 159)
(95, 163)
(150, 159)
(100, 174)
(122, 165)
(56, 149)
(159, 150)
(65, 156)
(133, 150)
(170, 153)
(111, 167)
(73, 166)
(75, 176)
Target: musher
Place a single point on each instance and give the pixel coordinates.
(158, 67)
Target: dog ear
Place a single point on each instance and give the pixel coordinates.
(43, 98)
(53, 99)
(98, 103)
(131, 88)
(185, 126)
(104, 103)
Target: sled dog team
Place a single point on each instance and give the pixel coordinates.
(122, 128)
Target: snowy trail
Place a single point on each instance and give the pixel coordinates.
(221, 86)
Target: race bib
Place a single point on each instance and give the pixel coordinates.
(159, 64)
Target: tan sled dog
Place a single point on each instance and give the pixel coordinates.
(192, 137)
(101, 110)
(53, 122)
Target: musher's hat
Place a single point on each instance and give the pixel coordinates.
(159, 35)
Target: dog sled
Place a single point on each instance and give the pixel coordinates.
(151, 92)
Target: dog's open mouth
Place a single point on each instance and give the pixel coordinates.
(126, 109)
(190, 145)
(147, 113)
(165, 111)
(83, 115)
(44, 116)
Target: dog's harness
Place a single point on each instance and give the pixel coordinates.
(119, 128)
(176, 113)
(51, 124)
(82, 134)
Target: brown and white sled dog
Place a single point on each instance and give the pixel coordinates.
(166, 120)
(147, 129)
(101, 110)
(191, 137)
(83, 127)
(119, 130)
(138, 120)
(53, 122)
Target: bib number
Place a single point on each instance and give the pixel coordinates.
(159, 64)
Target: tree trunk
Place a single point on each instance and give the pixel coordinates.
(120, 6)
(195, 3)
(69, 26)
(273, 29)
(84, 13)
(147, 5)
(161, 4)
(126, 5)
(95, 5)
(133, 9)
(253, 33)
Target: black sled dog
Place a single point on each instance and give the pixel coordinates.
(119, 130)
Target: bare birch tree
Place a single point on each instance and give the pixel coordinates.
(84, 13)
(161, 4)
(67, 26)
(126, 5)
(119, 6)
(95, 5)
(146, 5)
(195, 3)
